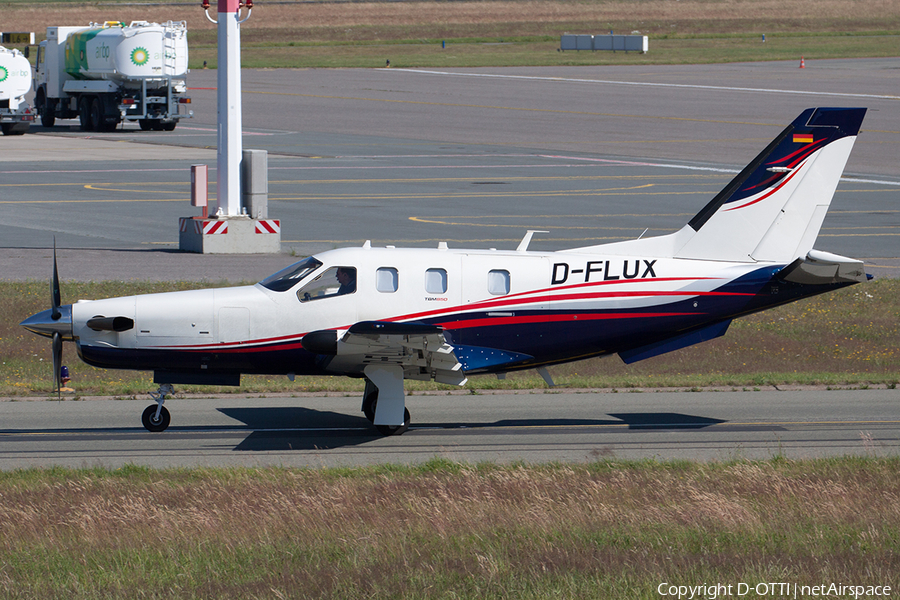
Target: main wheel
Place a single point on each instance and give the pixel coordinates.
(395, 429)
(369, 402)
(151, 422)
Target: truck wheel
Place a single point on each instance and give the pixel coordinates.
(97, 119)
(146, 124)
(84, 114)
(48, 115)
(47, 109)
(168, 126)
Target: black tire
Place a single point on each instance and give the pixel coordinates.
(395, 429)
(145, 124)
(84, 114)
(151, 423)
(48, 116)
(97, 119)
(45, 108)
(168, 125)
(369, 401)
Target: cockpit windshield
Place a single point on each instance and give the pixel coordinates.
(287, 278)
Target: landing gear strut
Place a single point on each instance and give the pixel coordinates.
(156, 417)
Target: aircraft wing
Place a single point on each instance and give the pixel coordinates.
(420, 349)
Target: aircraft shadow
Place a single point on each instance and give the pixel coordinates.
(298, 428)
(656, 421)
(665, 420)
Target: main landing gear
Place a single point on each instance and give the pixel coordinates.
(369, 405)
(385, 381)
(156, 417)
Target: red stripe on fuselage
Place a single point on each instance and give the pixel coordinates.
(553, 318)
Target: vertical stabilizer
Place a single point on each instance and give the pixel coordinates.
(773, 209)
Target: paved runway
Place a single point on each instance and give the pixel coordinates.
(473, 157)
(502, 427)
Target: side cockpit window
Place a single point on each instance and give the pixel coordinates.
(287, 278)
(336, 281)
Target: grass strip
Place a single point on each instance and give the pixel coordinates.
(610, 529)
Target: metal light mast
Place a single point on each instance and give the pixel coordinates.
(229, 146)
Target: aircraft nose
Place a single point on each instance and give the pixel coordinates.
(44, 324)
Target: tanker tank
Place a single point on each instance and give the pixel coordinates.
(128, 54)
(15, 81)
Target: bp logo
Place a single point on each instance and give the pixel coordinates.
(3, 73)
(140, 56)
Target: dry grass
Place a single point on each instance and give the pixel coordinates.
(361, 34)
(385, 20)
(446, 530)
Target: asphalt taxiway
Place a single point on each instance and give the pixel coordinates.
(473, 157)
(314, 431)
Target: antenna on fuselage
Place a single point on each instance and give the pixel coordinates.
(523, 245)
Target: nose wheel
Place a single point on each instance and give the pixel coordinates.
(156, 417)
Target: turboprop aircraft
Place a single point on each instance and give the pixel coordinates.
(392, 314)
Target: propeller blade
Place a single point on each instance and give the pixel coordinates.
(57, 361)
(55, 295)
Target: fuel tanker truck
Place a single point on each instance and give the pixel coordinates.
(104, 74)
(15, 81)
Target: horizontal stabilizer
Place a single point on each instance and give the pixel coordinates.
(675, 343)
(823, 268)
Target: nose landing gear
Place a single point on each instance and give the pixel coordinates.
(156, 417)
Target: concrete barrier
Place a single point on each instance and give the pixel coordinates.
(609, 42)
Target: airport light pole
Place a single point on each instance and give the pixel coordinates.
(241, 224)
(229, 145)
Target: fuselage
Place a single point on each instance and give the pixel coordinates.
(552, 307)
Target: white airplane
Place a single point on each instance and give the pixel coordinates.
(391, 314)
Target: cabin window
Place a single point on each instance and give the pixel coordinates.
(287, 278)
(335, 281)
(386, 280)
(498, 282)
(436, 281)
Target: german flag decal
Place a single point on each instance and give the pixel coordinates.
(803, 138)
